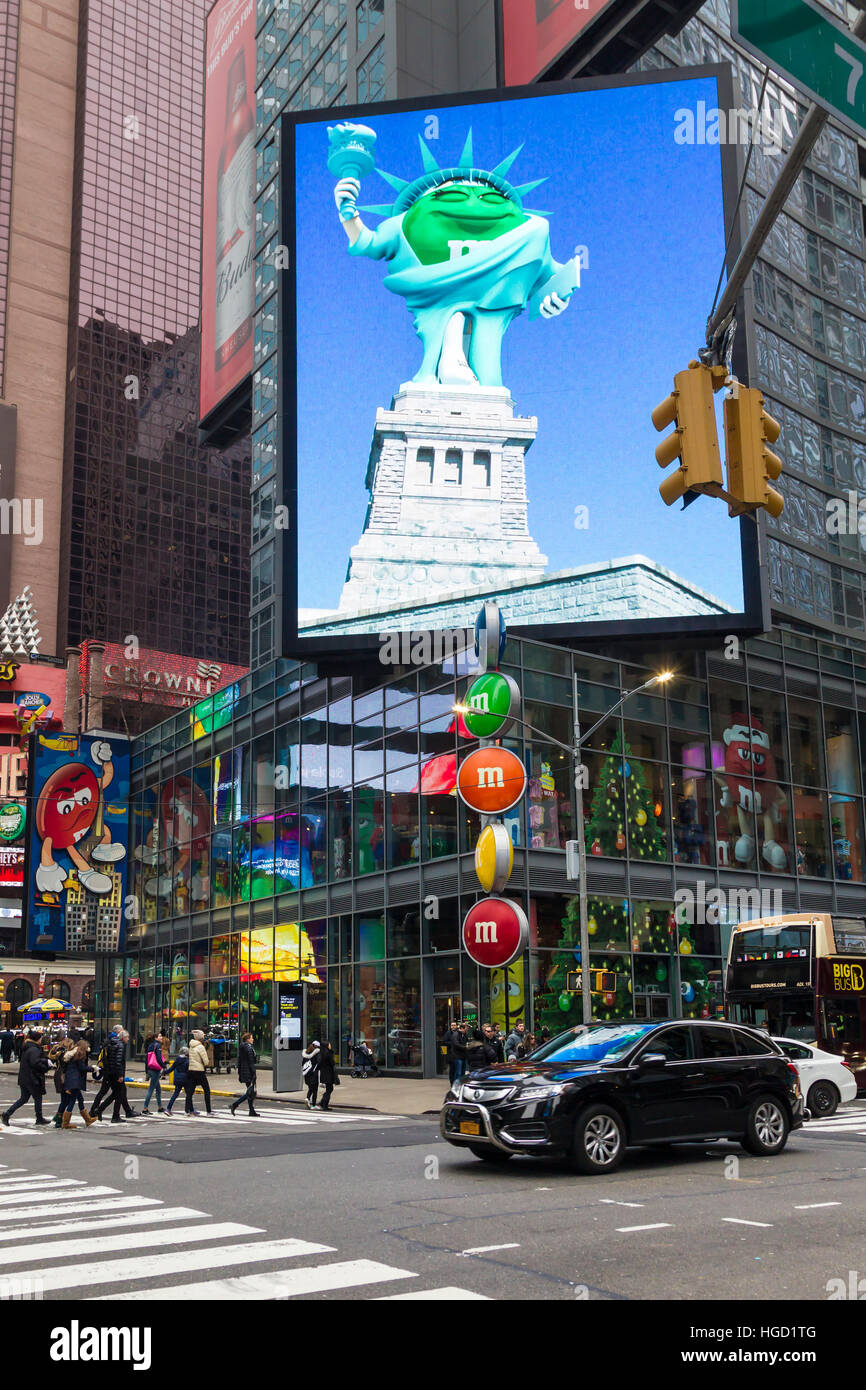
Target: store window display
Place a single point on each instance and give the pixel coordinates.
(548, 798)
(370, 1009)
(404, 1039)
(627, 810)
(693, 812)
(750, 795)
(811, 823)
(369, 816)
(804, 734)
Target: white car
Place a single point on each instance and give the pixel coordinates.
(826, 1080)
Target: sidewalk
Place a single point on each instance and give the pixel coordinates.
(389, 1095)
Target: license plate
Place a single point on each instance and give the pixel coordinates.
(470, 1127)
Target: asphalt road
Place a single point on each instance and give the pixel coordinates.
(364, 1206)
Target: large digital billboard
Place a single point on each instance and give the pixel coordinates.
(227, 242)
(534, 32)
(79, 842)
(488, 298)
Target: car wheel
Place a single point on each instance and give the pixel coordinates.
(599, 1140)
(823, 1099)
(766, 1128)
(489, 1154)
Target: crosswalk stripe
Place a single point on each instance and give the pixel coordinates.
(128, 1240)
(64, 1208)
(8, 1171)
(282, 1283)
(6, 1182)
(433, 1295)
(152, 1266)
(98, 1223)
(288, 1122)
(11, 1197)
(828, 1127)
(46, 1184)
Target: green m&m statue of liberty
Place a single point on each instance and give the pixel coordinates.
(462, 250)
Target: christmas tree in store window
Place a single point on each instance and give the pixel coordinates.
(559, 1007)
(622, 796)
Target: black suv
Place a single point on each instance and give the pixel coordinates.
(591, 1092)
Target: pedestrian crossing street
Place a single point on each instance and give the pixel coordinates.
(62, 1234)
(220, 1120)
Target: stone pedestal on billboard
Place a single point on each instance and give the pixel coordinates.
(448, 505)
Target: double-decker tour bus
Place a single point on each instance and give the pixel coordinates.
(803, 976)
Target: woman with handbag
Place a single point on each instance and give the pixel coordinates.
(327, 1072)
(310, 1071)
(155, 1067)
(246, 1073)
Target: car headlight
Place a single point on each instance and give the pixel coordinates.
(539, 1092)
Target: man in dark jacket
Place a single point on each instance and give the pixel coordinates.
(492, 1047)
(455, 1040)
(7, 1044)
(514, 1041)
(246, 1073)
(32, 1068)
(113, 1069)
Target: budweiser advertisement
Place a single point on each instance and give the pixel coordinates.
(227, 201)
(535, 32)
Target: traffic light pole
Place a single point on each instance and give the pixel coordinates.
(585, 993)
(813, 123)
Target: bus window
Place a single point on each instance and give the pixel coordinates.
(799, 1024)
(842, 1022)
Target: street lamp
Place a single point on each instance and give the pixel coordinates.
(660, 678)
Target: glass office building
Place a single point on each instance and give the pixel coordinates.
(155, 528)
(806, 304)
(301, 822)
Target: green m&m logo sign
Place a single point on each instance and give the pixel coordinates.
(492, 704)
(12, 818)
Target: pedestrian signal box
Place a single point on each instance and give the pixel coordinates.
(600, 981)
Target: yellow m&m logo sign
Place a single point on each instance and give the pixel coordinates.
(494, 858)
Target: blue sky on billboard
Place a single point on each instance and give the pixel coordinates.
(648, 210)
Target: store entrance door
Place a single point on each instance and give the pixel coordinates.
(446, 1007)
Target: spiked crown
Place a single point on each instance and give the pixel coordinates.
(408, 191)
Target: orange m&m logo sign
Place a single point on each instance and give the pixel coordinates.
(491, 780)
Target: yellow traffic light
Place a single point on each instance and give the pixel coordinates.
(695, 440)
(748, 431)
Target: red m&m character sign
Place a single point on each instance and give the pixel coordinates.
(495, 932)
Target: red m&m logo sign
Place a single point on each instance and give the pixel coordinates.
(495, 932)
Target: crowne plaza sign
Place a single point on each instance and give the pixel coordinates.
(163, 678)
